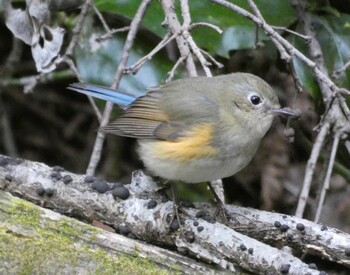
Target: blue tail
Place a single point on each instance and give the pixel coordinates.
(120, 98)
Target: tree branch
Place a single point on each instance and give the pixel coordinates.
(97, 150)
(212, 242)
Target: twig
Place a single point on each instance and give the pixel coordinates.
(42, 78)
(97, 150)
(328, 177)
(337, 73)
(77, 29)
(344, 91)
(100, 16)
(297, 83)
(256, 43)
(305, 37)
(7, 133)
(183, 38)
(344, 106)
(185, 12)
(204, 24)
(336, 111)
(109, 31)
(284, 54)
(310, 168)
(173, 24)
(329, 89)
(73, 43)
(134, 68)
(172, 72)
(199, 55)
(74, 69)
(255, 9)
(208, 55)
(109, 34)
(288, 47)
(185, 33)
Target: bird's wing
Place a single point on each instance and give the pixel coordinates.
(145, 119)
(168, 112)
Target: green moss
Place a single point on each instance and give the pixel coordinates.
(34, 245)
(24, 213)
(53, 253)
(126, 265)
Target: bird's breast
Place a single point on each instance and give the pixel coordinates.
(195, 144)
(192, 158)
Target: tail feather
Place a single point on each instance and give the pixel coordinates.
(120, 98)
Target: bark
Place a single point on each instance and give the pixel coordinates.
(244, 242)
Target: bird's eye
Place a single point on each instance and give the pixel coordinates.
(255, 100)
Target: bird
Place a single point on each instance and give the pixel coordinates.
(195, 129)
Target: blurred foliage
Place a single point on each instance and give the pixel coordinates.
(275, 12)
(334, 37)
(331, 26)
(97, 62)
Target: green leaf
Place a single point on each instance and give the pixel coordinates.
(97, 63)
(279, 13)
(153, 18)
(238, 38)
(303, 72)
(306, 78)
(334, 39)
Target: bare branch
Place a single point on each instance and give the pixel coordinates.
(184, 40)
(185, 10)
(337, 115)
(172, 72)
(284, 29)
(245, 241)
(109, 34)
(288, 47)
(185, 33)
(137, 66)
(337, 73)
(310, 168)
(77, 29)
(174, 27)
(97, 150)
(208, 55)
(100, 16)
(204, 24)
(325, 186)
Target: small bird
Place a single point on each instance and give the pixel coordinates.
(196, 129)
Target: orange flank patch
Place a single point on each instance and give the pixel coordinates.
(195, 145)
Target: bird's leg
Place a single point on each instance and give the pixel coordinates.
(177, 208)
(176, 205)
(220, 204)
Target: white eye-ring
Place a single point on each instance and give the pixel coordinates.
(255, 99)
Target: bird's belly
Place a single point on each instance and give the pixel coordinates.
(197, 169)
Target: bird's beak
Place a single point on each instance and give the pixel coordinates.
(286, 112)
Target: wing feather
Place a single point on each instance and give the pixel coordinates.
(143, 119)
(165, 113)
